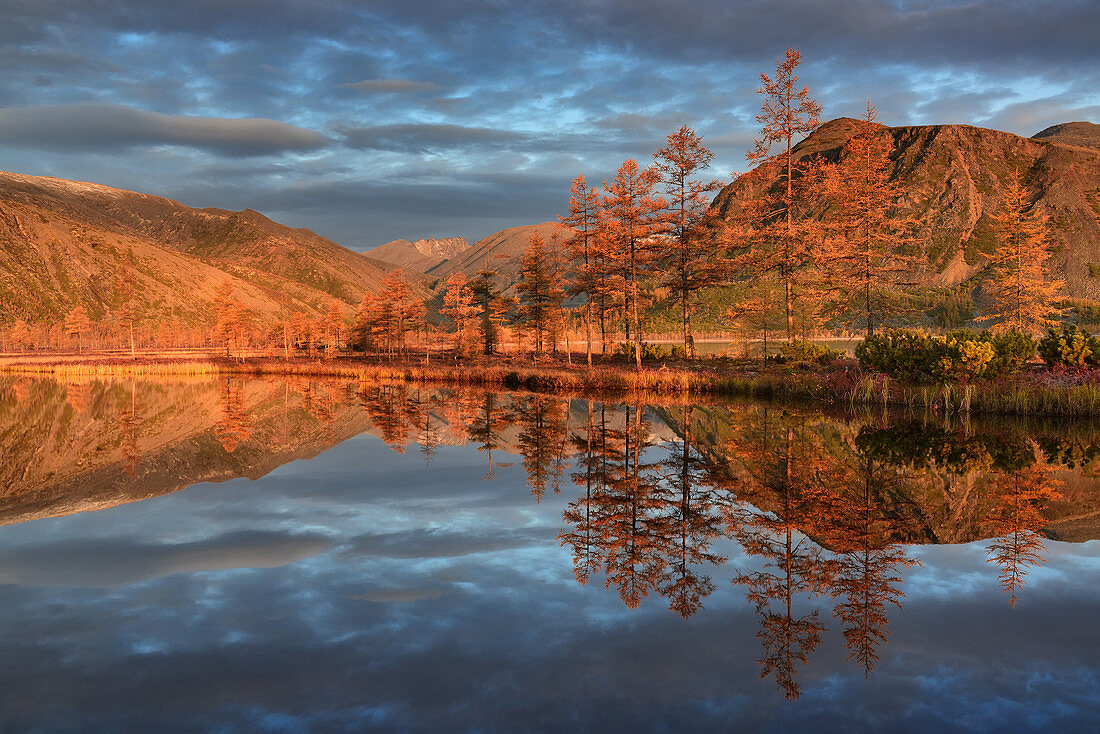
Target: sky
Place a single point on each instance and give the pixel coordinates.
(369, 121)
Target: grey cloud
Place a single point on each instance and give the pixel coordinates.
(104, 127)
(442, 544)
(420, 138)
(115, 562)
(392, 86)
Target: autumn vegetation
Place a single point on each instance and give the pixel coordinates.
(825, 248)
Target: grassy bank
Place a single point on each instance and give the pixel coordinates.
(844, 384)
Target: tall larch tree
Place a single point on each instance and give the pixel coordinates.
(127, 301)
(692, 261)
(632, 218)
(493, 307)
(77, 326)
(396, 309)
(866, 232)
(786, 114)
(583, 218)
(540, 291)
(1023, 299)
(334, 324)
(460, 307)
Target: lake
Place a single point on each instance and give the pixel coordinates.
(308, 555)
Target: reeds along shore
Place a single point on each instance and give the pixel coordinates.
(842, 385)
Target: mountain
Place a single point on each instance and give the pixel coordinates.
(502, 250)
(1082, 134)
(954, 175)
(422, 255)
(64, 243)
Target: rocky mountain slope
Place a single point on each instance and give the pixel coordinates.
(422, 255)
(501, 250)
(954, 177)
(1081, 134)
(65, 243)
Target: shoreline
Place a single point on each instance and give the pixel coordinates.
(843, 384)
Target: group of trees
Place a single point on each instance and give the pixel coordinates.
(821, 241)
(817, 241)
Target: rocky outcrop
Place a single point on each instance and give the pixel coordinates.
(422, 255)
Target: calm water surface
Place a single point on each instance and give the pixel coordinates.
(234, 555)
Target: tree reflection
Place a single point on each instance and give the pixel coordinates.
(1020, 495)
(691, 518)
(235, 424)
(825, 510)
(784, 475)
(543, 422)
(866, 522)
(129, 422)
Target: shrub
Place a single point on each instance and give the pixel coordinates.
(1071, 347)
(802, 352)
(903, 355)
(1011, 351)
(958, 356)
(650, 352)
(961, 356)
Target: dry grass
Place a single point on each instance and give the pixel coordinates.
(844, 386)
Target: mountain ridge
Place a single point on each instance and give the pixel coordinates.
(953, 179)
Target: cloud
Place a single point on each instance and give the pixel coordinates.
(441, 544)
(421, 138)
(392, 86)
(106, 127)
(122, 561)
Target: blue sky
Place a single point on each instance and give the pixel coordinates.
(371, 121)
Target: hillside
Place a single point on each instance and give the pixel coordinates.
(63, 243)
(1082, 134)
(954, 177)
(502, 250)
(422, 255)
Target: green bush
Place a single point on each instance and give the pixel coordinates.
(903, 355)
(650, 352)
(1011, 351)
(958, 356)
(1072, 347)
(802, 352)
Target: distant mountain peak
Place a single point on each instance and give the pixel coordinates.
(1082, 134)
(421, 255)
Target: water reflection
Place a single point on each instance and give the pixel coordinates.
(812, 517)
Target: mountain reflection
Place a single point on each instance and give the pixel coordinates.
(820, 513)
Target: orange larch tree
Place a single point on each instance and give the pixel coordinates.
(459, 306)
(334, 325)
(632, 219)
(127, 302)
(540, 292)
(77, 326)
(786, 113)
(395, 306)
(866, 232)
(586, 280)
(691, 258)
(1023, 299)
